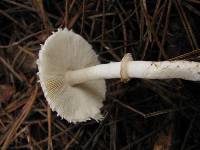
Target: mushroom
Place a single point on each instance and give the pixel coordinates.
(73, 80)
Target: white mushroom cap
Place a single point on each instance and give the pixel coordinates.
(64, 51)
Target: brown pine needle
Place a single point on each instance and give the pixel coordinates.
(17, 123)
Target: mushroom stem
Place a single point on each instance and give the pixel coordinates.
(187, 70)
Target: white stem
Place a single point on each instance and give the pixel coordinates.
(187, 70)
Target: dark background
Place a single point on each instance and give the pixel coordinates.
(139, 115)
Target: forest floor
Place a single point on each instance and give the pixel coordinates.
(140, 115)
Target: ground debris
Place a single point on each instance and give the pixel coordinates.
(6, 92)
